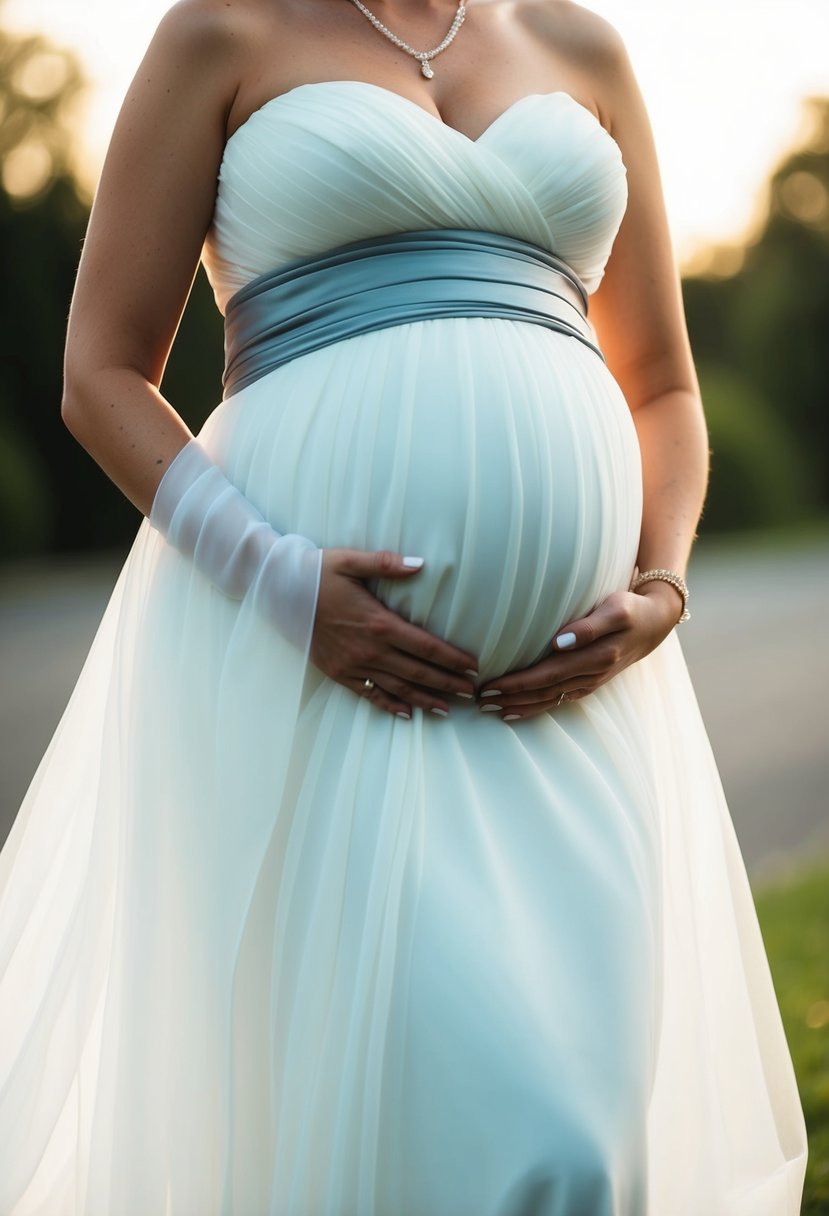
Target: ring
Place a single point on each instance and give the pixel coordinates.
(561, 699)
(368, 685)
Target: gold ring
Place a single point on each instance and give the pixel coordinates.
(368, 685)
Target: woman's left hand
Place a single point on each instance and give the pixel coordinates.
(591, 650)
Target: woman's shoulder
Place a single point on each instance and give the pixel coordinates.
(586, 39)
(212, 27)
(588, 50)
(208, 46)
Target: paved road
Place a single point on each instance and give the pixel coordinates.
(758, 651)
(756, 645)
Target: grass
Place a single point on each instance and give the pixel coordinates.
(794, 917)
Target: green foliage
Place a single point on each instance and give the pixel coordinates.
(25, 503)
(758, 467)
(53, 495)
(193, 377)
(41, 224)
(794, 918)
(763, 331)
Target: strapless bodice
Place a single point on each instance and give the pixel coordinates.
(337, 161)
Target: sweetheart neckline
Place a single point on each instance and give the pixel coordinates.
(407, 101)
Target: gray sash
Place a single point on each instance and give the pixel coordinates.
(390, 280)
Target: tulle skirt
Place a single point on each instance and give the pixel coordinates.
(266, 949)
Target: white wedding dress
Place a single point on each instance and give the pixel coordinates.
(268, 951)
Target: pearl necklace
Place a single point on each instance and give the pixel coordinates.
(422, 56)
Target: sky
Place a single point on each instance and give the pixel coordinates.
(724, 82)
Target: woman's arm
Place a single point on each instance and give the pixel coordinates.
(639, 319)
(151, 212)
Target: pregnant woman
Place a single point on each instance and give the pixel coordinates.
(379, 865)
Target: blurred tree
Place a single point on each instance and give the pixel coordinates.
(756, 462)
(782, 317)
(41, 221)
(52, 494)
(763, 331)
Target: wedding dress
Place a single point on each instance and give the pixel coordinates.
(265, 949)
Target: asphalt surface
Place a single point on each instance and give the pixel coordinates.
(756, 646)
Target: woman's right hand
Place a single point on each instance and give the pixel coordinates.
(357, 637)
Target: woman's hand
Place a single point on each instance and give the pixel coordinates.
(625, 627)
(356, 637)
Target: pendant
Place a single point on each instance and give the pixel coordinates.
(426, 69)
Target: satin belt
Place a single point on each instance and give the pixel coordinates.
(309, 303)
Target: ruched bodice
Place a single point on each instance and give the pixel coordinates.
(300, 176)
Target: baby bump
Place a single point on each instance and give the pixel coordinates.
(500, 452)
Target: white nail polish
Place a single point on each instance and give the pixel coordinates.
(511, 717)
(414, 563)
(468, 696)
(565, 640)
(490, 709)
(493, 692)
(400, 714)
(470, 671)
(442, 713)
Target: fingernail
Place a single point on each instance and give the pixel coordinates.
(470, 696)
(511, 717)
(470, 671)
(490, 709)
(492, 692)
(400, 714)
(565, 640)
(413, 562)
(442, 713)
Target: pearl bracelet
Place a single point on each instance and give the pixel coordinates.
(665, 576)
